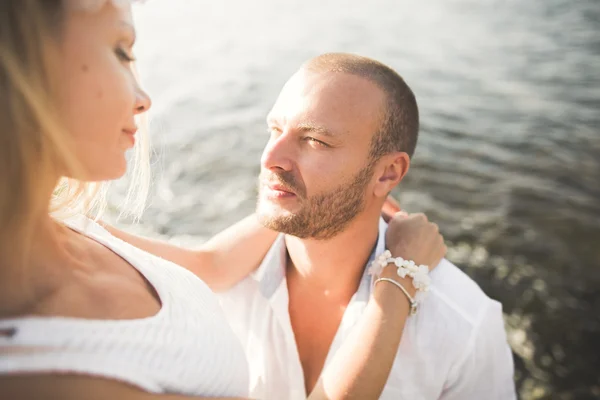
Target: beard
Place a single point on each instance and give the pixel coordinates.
(321, 216)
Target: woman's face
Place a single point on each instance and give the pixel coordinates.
(99, 95)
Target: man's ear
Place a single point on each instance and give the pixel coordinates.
(392, 168)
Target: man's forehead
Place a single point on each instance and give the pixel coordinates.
(306, 82)
(328, 97)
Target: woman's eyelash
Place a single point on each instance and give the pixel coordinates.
(122, 54)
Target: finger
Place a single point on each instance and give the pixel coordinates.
(439, 250)
(401, 214)
(386, 217)
(419, 216)
(392, 203)
(390, 206)
(442, 254)
(437, 259)
(441, 244)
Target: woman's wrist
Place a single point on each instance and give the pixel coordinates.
(390, 297)
(394, 293)
(390, 300)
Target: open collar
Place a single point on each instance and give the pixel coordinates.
(271, 271)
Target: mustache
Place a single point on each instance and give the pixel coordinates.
(285, 179)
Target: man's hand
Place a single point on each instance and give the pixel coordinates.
(413, 237)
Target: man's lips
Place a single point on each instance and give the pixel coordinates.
(280, 188)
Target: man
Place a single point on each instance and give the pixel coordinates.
(342, 133)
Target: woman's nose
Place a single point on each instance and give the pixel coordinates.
(142, 101)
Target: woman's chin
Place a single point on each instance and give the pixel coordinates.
(106, 172)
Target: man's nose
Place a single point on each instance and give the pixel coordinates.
(278, 153)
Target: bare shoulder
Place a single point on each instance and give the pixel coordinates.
(74, 387)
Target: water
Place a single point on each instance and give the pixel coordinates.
(507, 163)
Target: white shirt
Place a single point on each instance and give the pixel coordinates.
(455, 348)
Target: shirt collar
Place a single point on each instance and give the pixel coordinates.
(364, 289)
(271, 271)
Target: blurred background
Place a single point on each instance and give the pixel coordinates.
(508, 160)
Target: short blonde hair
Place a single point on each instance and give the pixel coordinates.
(34, 145)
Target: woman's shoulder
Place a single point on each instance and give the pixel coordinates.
(84, 224)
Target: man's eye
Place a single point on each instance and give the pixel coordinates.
(316, 141)
(123, 56)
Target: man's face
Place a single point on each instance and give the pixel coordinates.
(316, 169)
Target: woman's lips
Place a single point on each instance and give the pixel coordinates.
(130, 133)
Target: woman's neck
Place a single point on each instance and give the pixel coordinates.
(31, 274)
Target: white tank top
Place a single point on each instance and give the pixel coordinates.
(186, 348)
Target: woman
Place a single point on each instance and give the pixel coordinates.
(83, 314)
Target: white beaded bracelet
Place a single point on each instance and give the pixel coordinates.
(414, 305)
(418, 273)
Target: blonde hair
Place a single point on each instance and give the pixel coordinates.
(34, 145)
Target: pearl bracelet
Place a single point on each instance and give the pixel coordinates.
(418, 273)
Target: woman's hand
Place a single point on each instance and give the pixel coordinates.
(414, 237)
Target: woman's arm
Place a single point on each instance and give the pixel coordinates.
(222, 261)
(228, 257)
(362, 365)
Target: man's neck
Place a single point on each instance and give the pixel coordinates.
(335, 265)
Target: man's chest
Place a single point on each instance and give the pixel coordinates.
(277, 356)
(315, 319)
